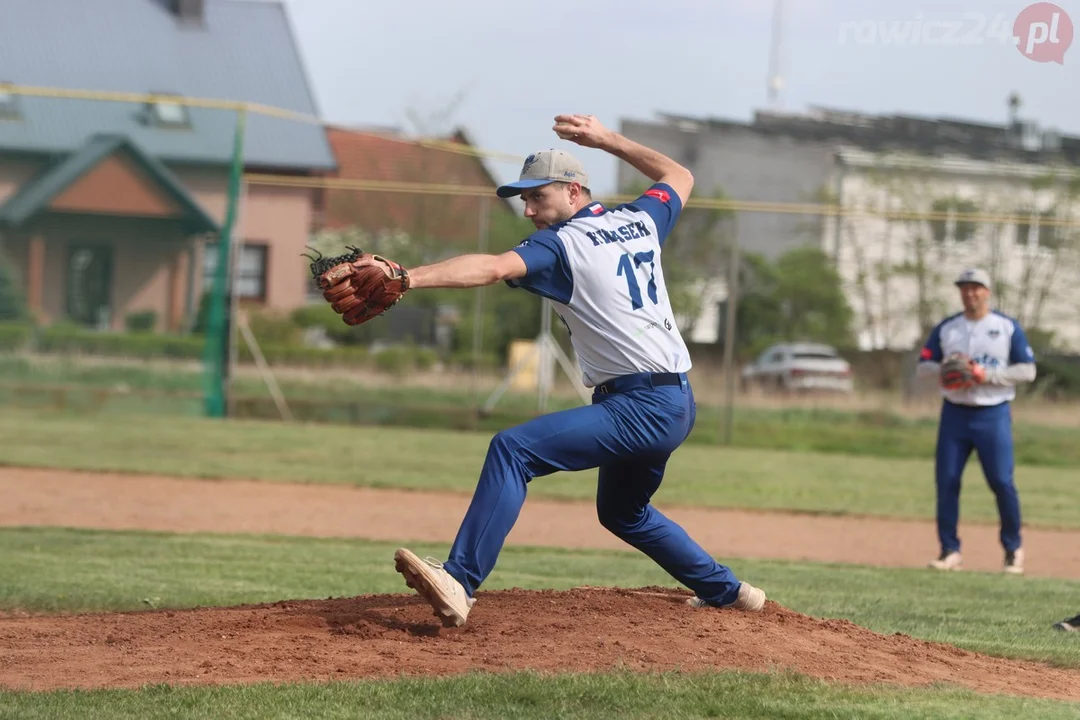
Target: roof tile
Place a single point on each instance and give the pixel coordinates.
(372, 155)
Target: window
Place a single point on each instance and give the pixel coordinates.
(1023, 229)
(815, 355)
(164, 112)
(771, 355)
(952, 228)
(249, 272)
(1049, 236)
(964, 229)
(9, 106)
(1036, 234)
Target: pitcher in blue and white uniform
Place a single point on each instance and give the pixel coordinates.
(978, 417)
(601, 268)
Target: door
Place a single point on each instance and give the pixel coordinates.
(89, 286)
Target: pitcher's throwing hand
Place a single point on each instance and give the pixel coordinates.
(584, 130)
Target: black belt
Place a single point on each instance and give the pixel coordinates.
(965, 406)
(639, 380)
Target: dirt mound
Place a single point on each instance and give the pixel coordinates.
(578, 630)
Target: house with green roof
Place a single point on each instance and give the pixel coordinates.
(113, 208)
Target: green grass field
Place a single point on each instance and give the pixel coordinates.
(530, 696)
(335, 397)
(445, 460)
(69, 570)
(50, 570)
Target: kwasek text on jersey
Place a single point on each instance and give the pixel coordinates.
(629, 231)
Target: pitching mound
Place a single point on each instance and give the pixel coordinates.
(578, 630)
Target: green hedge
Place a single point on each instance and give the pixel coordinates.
(14, 336)
(1058, 378)
(66, 339)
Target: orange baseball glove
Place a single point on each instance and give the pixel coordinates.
(359, 285)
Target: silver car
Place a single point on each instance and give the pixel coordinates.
(789, 367)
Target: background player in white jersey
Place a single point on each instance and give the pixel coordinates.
(977, 416)
(601, 268)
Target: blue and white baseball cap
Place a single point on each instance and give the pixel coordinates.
(543, 168)
(977, 276)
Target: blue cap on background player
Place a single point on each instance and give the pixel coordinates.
(546, 166)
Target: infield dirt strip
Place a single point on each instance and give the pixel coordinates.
(386, 635)
(111, 501)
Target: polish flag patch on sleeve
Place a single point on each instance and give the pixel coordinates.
(661, 195)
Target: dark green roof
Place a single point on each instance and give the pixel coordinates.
(35, 196)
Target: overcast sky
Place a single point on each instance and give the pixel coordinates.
(513, 65)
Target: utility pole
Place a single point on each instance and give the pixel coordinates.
(775, 81)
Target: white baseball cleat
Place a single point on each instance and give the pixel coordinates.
(446, 595)
(947, 561)
(1014, 562)
(1069, 624)
(750, 598)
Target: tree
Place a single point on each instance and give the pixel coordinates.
(852, 247)
(695, 253)
(916, 246)
(799, 297)
(506, 316)
(1049, 250)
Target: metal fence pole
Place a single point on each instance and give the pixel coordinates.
(219, 322)
(478, 309)
(729, 342)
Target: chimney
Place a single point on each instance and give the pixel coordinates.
(189, 11)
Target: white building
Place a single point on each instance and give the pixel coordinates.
(997, 196)
(1007, 217)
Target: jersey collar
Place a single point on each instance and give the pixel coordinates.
(591, 210)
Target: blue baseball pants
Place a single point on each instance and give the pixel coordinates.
(628, 433)
(988, 431)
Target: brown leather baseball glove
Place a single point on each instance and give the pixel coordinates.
(359, 285)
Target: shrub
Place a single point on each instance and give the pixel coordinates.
(14, 335)
(321, 315)
(487, 361)
(68, 338)
(274, 329)
(1058, 378)
(202, 315)
(398, 360)
(425, 358)
(142, 321)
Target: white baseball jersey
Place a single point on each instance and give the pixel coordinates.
(601, 268)
(996, 341)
